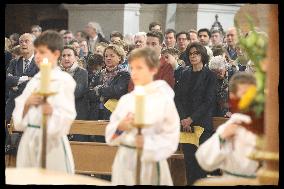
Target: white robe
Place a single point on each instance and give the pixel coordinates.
(231, 157)
(59, 155)
(161, 138)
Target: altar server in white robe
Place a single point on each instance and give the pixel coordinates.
(228, 149)
(59, 108)
(159, 140)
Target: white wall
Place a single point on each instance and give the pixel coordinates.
(206, 15)
(131, 18)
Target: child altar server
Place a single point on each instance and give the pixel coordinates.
(59, 109)
(160, 135)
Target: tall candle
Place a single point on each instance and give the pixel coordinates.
(139, 105)
(45, 70)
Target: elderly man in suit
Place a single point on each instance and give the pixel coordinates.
(20, 71)
(94, 35)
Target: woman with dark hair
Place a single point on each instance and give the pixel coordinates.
(195, 97)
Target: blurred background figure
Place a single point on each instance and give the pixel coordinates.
(14, 39)
(8, 54)
(67, 37)
(94, 35)
(115, 37)
(170, 38)
(80, 35)
(16, 52)
(217, 64)
(216, 38)
(140, 39)
(36, 30)
(155, 26)
(129, 39)
(100, 48)
(193, 36)
(61, 32)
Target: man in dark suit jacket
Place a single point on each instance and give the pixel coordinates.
(19, 72)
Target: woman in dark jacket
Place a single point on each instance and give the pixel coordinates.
(110, 83)
(80, 75)
(195, 97)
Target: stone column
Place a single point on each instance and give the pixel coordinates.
(171, 16)
(150, 13)
(186, 17)
(131, 18)
(109, 16)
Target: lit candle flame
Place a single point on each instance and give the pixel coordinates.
(139, 90)
(45, 61)
(45, 71)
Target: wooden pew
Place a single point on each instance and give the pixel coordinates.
(10, 159)
(91, 157)
(217, 121)
(97, 158)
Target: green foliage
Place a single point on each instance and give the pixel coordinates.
(255, 46)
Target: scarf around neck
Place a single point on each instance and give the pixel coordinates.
(71, 70)
(108, 75)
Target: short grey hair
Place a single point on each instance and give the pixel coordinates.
(29, 35)
(96, 26)
(144, 34)
(37, 26)
(217, 62)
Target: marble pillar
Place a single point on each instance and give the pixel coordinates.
(171, 16)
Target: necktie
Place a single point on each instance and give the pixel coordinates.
(27, 63)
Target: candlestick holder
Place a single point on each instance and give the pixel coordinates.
(44, 128)
(139, 153)
(139, 127)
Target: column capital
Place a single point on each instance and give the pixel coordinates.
(92, 7)
(219, 8)
(132, 7)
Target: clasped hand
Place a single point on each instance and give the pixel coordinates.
(127, 124)
(36, 99)
(186, 124)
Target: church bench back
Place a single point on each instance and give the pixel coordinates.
(91, 157)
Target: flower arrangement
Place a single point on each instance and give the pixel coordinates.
(255, 46)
